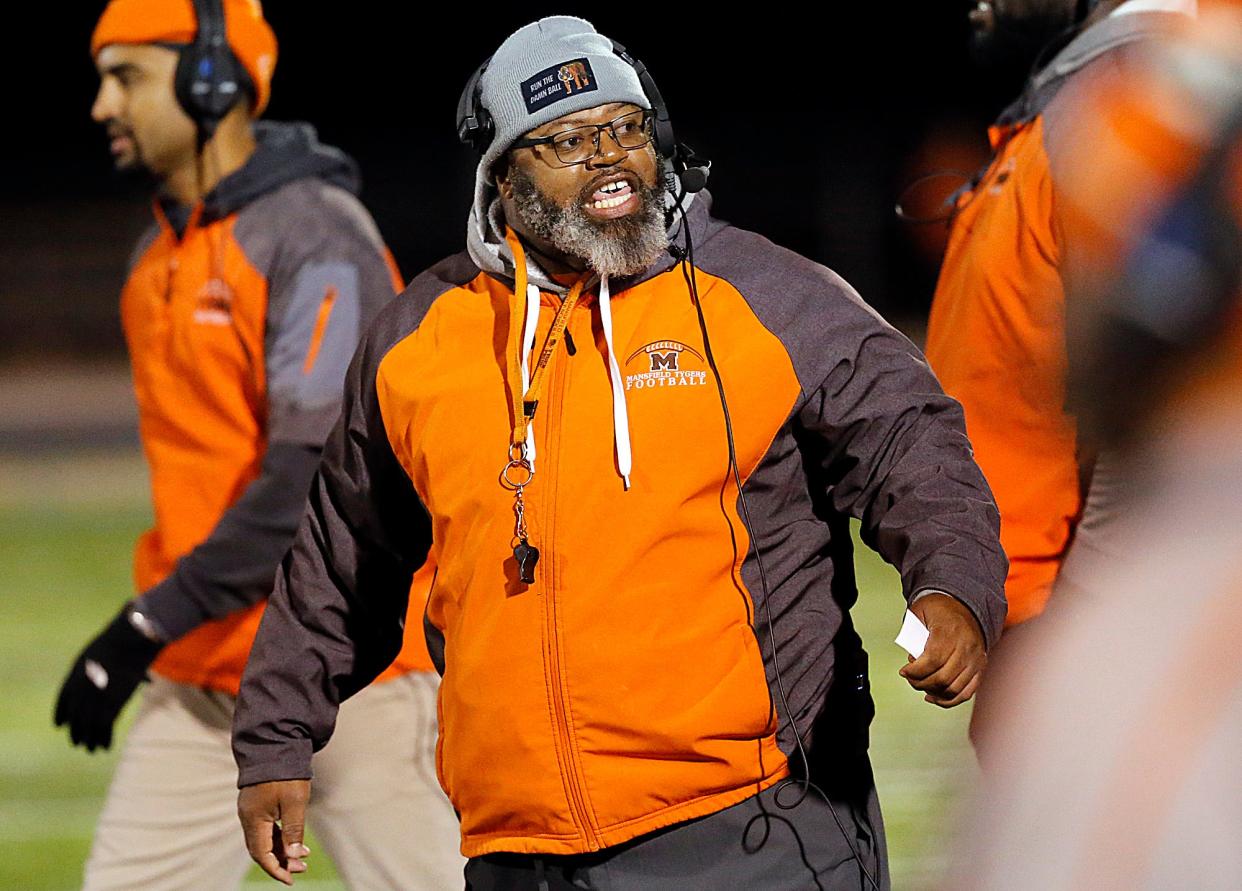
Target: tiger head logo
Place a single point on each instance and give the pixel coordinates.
(574, 76)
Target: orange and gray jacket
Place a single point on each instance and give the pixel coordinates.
(631, 686)
(997, 333)
(240, 316)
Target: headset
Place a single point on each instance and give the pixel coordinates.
(476, 129)
(209, 79)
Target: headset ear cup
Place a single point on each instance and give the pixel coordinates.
(207, 84)
(484, 130)
(226, 82)
(183, 79)
(209, 78)
(474, 124)
(666, 141)
(480, 129)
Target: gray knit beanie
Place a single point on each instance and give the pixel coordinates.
(548, 69)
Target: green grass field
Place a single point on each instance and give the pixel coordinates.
(67, 525)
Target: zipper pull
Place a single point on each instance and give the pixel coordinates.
(569, 344)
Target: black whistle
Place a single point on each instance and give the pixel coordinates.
(527, 555)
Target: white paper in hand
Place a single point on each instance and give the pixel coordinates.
(913, 635)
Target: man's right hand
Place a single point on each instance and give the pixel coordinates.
(273, 816)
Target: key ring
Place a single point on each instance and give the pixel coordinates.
(513, 467)
(517, 463)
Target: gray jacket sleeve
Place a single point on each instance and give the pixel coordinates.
(335, 618)
(324, 285)
(233, 567)
(879, 439)
(891, 450)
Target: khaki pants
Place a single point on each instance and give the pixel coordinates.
(170, 820)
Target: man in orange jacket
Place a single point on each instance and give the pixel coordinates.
(244, 302)
(630, 437)
(996, 337)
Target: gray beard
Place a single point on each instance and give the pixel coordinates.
(615, 248)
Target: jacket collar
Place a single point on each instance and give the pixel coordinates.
(1110, 33)
(285, 152)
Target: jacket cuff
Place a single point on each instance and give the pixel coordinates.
(285, 761)
(171, 606)
(987, 607)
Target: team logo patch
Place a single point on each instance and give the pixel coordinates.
(665, 364)
(214, 305)
(557, 83)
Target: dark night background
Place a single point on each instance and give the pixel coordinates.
(814, 122)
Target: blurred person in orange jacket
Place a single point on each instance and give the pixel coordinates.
(996, 333)
(244, 303)
(638, 669)
(1117, 745)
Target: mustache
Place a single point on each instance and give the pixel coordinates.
(115, 128)
(644, 191)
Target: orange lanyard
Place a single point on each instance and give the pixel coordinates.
(525, 404)
(519, 472)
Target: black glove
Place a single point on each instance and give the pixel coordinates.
(102, 679)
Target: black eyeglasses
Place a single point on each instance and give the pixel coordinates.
(581, 144)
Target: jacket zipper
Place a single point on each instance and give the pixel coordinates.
(165, 313)
(579, 809)
(321, 325)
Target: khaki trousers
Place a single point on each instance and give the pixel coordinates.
(170, 819)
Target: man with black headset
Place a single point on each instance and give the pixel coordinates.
(244, 302)
(630, 437)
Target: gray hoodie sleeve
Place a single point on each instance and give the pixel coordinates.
(324, 285)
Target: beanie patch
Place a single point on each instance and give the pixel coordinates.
(558, 82)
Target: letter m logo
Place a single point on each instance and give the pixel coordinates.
(664, 361)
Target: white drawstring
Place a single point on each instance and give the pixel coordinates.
(528, 345)
(620, 414)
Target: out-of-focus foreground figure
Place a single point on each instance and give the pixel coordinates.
(1115, 748)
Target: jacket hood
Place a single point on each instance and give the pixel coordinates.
(486, 243)
(285, 152)
(1104, 36)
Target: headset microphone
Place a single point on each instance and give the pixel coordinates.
(691, 169)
